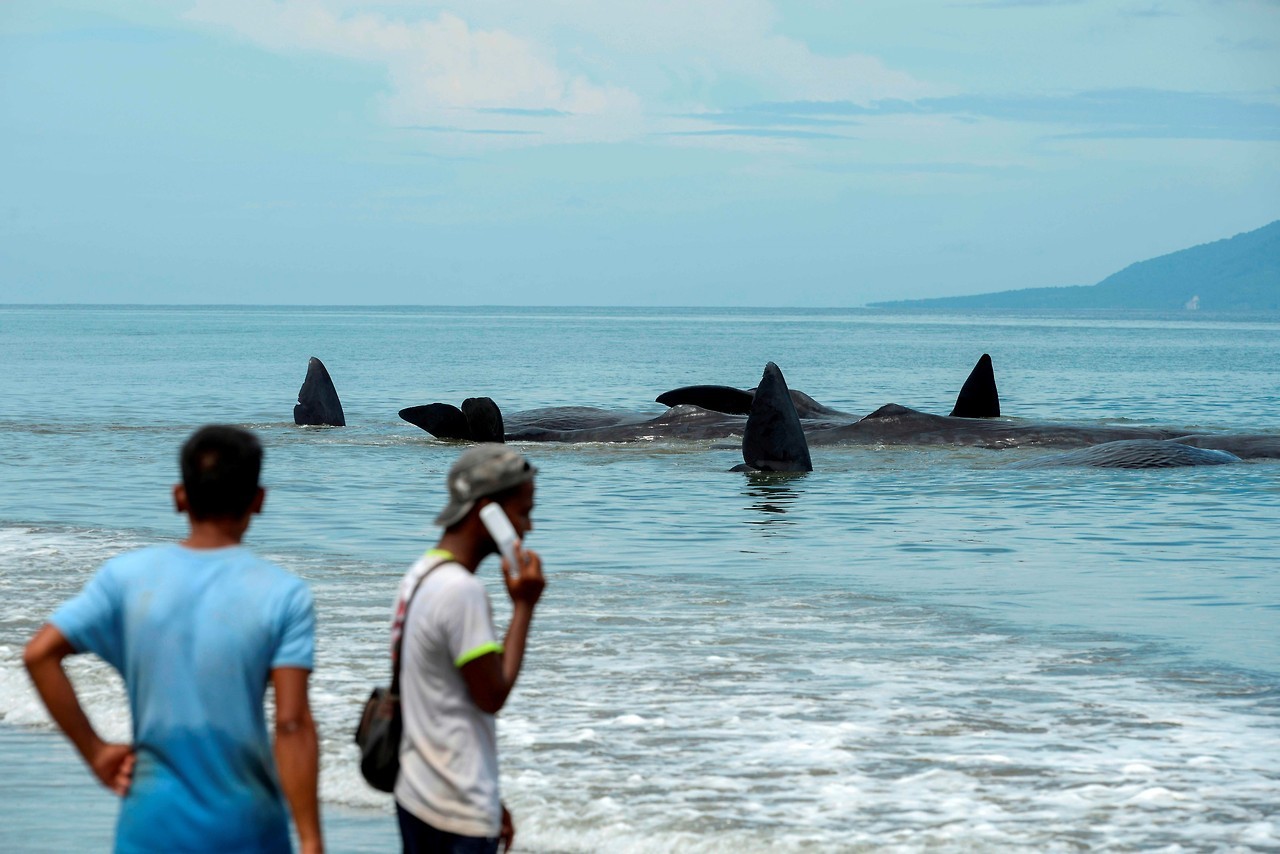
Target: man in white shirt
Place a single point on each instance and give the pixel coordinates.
(455, 675)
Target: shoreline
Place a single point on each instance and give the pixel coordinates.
(52, 804)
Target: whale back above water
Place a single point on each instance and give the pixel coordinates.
(892, 424)
(318, 404)
(1246, 446)
(1135, 454)
(679, 422)
(566, 419)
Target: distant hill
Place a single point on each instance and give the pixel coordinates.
(1241, 273)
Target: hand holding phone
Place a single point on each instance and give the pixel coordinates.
(503, 533)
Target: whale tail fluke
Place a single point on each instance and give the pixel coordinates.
(716, 398)
(318, 404)
(479, 420)
(442, 420)
(484, 419)
(978, 397)
(773, 439)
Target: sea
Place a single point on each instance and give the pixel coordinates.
(907, 649)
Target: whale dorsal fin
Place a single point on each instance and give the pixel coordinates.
(318, 403)
(773, 439)
(978, 397)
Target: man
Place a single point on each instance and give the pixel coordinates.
(455, 676)
(196, 630)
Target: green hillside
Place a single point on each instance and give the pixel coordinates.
(1241, 273)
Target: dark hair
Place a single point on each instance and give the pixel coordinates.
(220, 468)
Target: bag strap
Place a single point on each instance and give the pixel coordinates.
(444, 557)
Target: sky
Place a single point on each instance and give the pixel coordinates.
(656, 153)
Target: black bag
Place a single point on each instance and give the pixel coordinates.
(378, 733)
(379, 738)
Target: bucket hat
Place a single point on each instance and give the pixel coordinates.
(481, 471)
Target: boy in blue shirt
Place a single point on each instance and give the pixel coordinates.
(197, 629)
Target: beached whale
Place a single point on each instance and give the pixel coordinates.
(898, 425)
(892, 424)
(978, 398)
(318, 404)
(1134, 454)
(715, 412)
(695, 412)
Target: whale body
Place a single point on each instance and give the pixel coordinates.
(892, 424)
(1135, 454)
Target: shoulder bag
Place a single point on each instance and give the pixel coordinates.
(378, 733)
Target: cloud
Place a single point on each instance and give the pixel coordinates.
(1011, 4)
(442, 72)
(568, 69)
(475, 131)
(1133, 113)
(1113, 113)
(760, 133)
(761, 115)
(1153, 11)
(513, 111)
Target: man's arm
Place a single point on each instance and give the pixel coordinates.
(297, 752)
(491, 677)
(112, 764)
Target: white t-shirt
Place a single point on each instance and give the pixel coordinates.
(449, 751)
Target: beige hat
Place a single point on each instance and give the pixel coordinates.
(483, 470)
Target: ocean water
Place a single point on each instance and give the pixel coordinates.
(907, 649)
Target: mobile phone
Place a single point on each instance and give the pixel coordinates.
(502, 531)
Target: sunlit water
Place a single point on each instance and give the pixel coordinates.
(918, 649)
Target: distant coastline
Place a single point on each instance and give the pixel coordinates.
(1240, 273)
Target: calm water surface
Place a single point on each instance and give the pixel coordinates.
(911, 649)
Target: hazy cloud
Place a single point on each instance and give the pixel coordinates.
(760, 133)
(1000, 4)
(439, 70)
(1118, 113)
(620, 69)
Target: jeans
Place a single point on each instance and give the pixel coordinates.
(421, 838)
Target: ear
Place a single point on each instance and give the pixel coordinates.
(259, 498)
(179, 498)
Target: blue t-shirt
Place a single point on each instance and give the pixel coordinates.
(195, 634)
